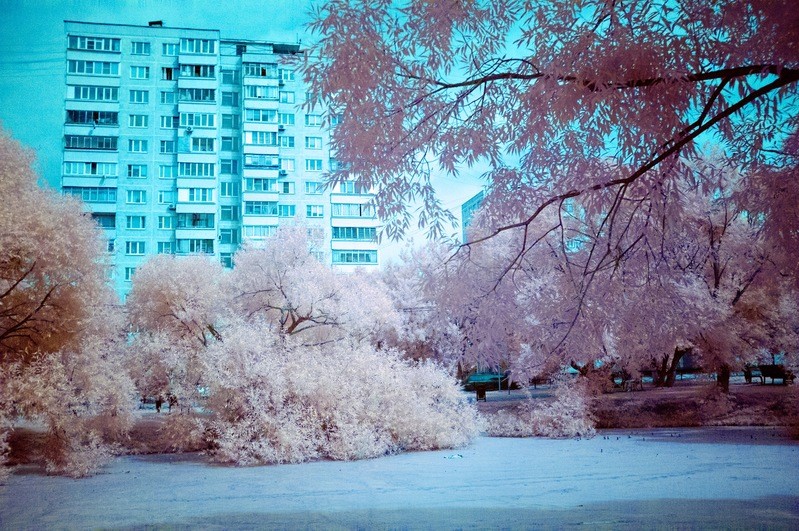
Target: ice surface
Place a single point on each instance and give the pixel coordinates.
(500, 477)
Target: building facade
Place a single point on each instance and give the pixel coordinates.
(179, 141)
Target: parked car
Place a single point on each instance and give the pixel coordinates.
(492, 381)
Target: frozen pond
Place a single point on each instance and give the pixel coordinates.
(653, 478)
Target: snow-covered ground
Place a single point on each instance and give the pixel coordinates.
(654, 478)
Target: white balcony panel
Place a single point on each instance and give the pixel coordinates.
(101, 182)
(195, 234)
(260, 196)
(255, 103)
(193, 106)
(352, 199)
(260, 150)
(192, 182)
(260, 126)
(93, 55)
(91, 156)
(354, 222)
(101, 208)
(261, 81)
(85, 105)
(196, 208)
(261, 172)
(197, 59)
(88, 130)
(259, 220)
(209, 158)
(344, 245)
(197, 82)
(98, 81)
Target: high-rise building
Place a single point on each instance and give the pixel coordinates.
(180, 141)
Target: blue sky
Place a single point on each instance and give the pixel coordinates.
(32, 55)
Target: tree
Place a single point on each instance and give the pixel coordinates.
(60, 332)
(605, 101)
(283, 283)
(48, 293)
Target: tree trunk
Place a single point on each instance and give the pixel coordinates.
(723, 377)
(666, 369)
(675, 362)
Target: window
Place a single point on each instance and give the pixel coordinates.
(354, 257)
(137, 171)
(90, 194)
(101, 143)
(260, 184)
(355, 233)
(285, 118)
(230, 99)
(136, 197)
(92, 93)
(313, 164)
(139, 96)
(202, 145)
(229, 166)
(260, 138)
(259, 231)
(287, 165)
(315, 211)
(230, 121)
(351, 188)
(229, 189)
(350, 210)
(129, 272)
(165, 222)
(134, 247)
(226, 259)
(93, 117)
(201, 195)
(200, 95)
(260, 92)
(268, 70)
(260, 115)
(261, 161)
(197, 119)
(140, 48)
(138, 120)
(286, 96)
(286, 211)
(313, 120)
(230, 143)
(229, 213)
(314, 187)
(97, 44)
(313, 142)
(168, 73)
(166, 197)
(167, 146)
(196, 169)
(229, 236)
(165, 247)
(106, 221)
(167, 97)
(105, 169)
(135, 222)
(169, 122)
(167, 171)
(335, 119)
(286, 141)
(137, 145)
(195, 246)
(286, 187)
(230, 77)
(286, 74)
(195, 221)
(140, 72)
(170, 49)
(260, 208)
(202, 71)
(198, 46)
(93, 68)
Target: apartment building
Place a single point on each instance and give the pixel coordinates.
(180, 141)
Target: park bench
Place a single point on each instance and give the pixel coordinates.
(775, 372)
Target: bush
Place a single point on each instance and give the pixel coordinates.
(275, 400)
(568, 415)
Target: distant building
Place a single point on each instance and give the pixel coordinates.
(180, 141)
(468, 210)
